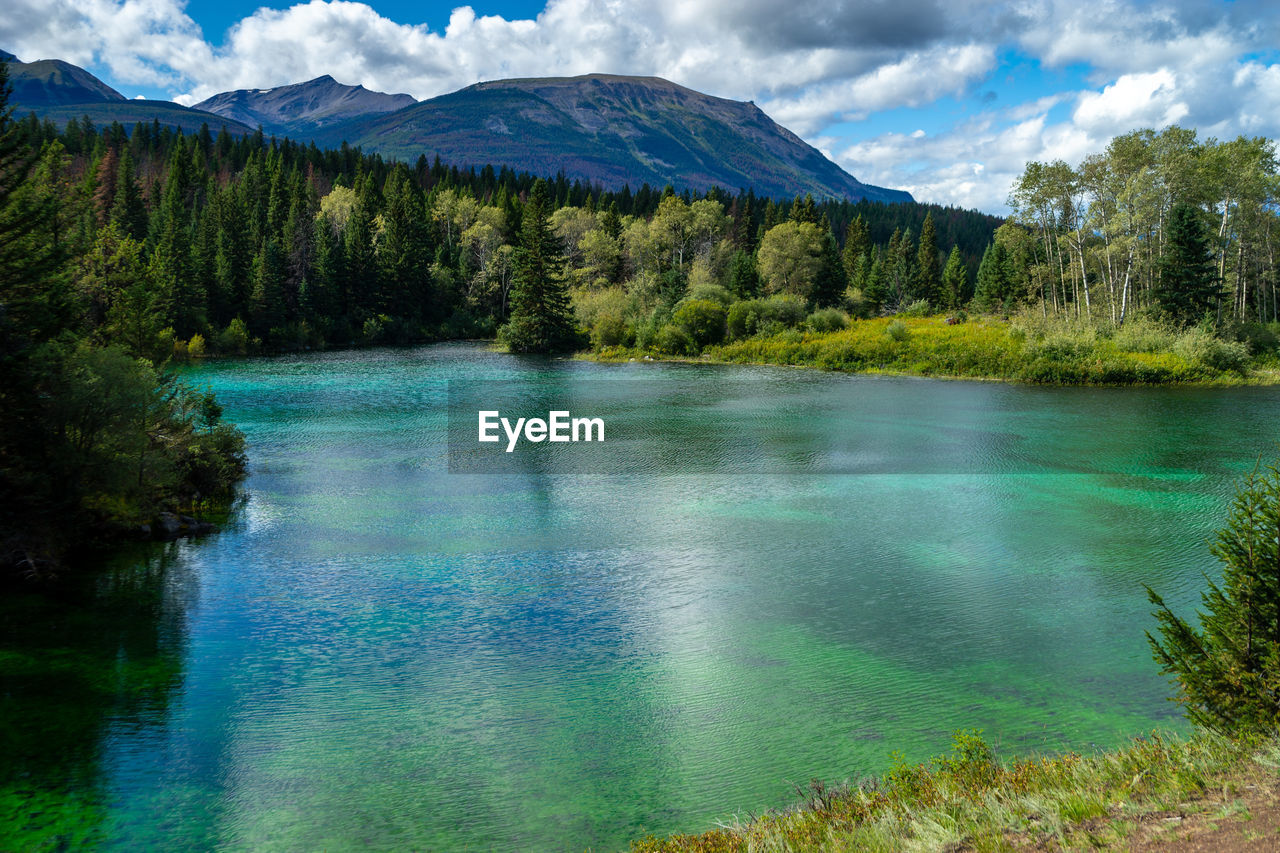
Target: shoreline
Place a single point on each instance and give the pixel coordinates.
(1269, 377)
(1217, 791)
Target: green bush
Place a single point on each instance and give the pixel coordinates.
(234, 339)
(1201, 347)
(919, 308)
(742, 319)
(712, 293)
(703, 319)
(675, 340)
(827, 320)
(897, 330)
(610, 330)
(765, 316)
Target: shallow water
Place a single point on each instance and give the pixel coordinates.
(379, 653)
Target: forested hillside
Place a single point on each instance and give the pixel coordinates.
(202, 243)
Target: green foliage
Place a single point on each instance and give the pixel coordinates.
(765, 316)
(94, 437)
(790, 258)
(928, 283)
(1188, 287)
(827, 320)
(541, 319)
(703, 319)
(955, 282)
(897, 330)
(1228, 669)
(675, 340)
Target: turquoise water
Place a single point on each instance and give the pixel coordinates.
(379, 653)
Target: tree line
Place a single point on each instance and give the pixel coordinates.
(184, 244)
(1160, 221)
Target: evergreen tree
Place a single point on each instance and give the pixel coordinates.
(804, 210)
(874, 289)
(1228, 670)
(928, 273)
(955, 281)
(857, 245)
(994, 288)
(267, 310)
(1188, 286)
(744, 278)
(541, 319)
(831, 281)
(404, 250)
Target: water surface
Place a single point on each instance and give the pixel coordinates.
(379, 653)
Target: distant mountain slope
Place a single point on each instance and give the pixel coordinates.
(300, 108)
(52, 82)
(60, 91)
(610, 130)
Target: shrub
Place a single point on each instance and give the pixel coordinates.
(827, 320)
(235, 338)
(195, 346)
(1142, 334)
(897, 330)
(712, 293)
(1201, 347)
(742, 319)
(610, 330)
(703, 319)
(765, 316)
(919, 308)
(785, 309)
(675, 340)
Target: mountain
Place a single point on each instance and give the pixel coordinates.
(611, 130)
(301, 108)
(52, 82)
(60, 91)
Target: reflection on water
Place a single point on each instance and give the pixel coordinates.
(378, 653)
(97, 660)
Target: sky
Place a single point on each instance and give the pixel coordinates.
(948, 99)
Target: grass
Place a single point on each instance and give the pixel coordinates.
(971, 800)
(1027, 349)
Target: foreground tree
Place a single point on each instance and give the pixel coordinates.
(1228, 670)
(541, 318)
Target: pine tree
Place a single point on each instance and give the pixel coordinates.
(994, 287)
(1228, 670)
(955, 281)
(831, 281)
(1188, 286)
(744, 278)
(857, 244)
(928, 274)
(541, 319)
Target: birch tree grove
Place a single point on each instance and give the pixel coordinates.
(1101, 229)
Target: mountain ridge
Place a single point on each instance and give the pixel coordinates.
(609, 130)
(612, 130)
(301, 108)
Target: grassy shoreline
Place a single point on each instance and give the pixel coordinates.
(1142, 796)
(1044, 353)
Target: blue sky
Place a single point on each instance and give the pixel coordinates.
(946, 98)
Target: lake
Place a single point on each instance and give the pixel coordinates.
(771, 575)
